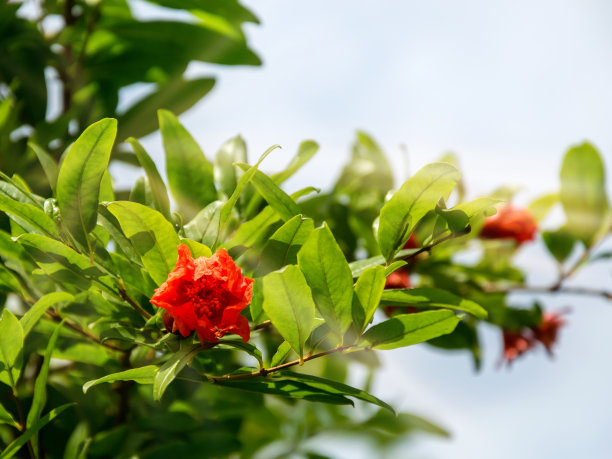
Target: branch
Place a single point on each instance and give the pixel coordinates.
(133, 303)
(554, 289)
(267, 371)
(428, 248)
(56, 317)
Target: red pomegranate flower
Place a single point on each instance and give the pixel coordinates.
(510, 223)
(205, 295)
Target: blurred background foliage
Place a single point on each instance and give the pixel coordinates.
(71, 60)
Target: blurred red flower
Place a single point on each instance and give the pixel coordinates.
(205, 295)
(547, 332)
(515, 344)
(412, 242)
(399, 278)
(510, 223)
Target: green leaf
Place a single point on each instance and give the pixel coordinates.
(583, 192)
(359, 266)
(190, 174)
(329, 276)
(150, 234)
(246, 347)
(177, 95)
(281, 354)
(170, 370)
(29, 217)
(416, 197)
(40, 386)
(368, 291)
(286, 388)
(408, 329)
(62, 263)
(335, 387)
(78, 182)
(10, 283)
(289, 305)
(204, 226)
(559, 243)
(248, 175)
(540, 207)
(306, 151)
(11, 349)
(7, 418)
(47, 162)
(256, 306)
(226, 174)
(433, 297)
(38, 309)
(158, 188)
(141, 375)
(282, 247)
(280, 201)
(197, 249)
(16, 444)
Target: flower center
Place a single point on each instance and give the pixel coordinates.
(208, 299)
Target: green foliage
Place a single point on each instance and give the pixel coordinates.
(82, 266)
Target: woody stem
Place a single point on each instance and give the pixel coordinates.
(428, 247)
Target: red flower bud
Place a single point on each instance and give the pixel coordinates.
(205, 295)
(510, 223)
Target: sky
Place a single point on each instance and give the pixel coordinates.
(508, 86)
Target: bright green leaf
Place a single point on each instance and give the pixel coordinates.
(329, 276)
(226, 174)
(368, 291)
(289, 305)
(416, 197)
(11, 348)
(170, 370)
(78, 182)
(408, 329)
(150, 234)
(583, 192)
(141, 375)
(38, 309)
(433, 297)
(29, 217)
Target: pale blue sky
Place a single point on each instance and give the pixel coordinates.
(508, 85)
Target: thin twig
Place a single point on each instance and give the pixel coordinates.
(554, 289)
(267, 371)
(147, 315)
(428, 247)
(56, 317)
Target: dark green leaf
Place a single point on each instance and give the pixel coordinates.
(289, 305)
(177, 95)
(335, 387)
(583, 192)
(281, 354)
(78, 182)
(7, 418)
(559, 243)
(170, 370)
(286, 388)
(417, 196)
(190, 174)
(408, 329)
(433, 297)
(16, 444)
(40, 386)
